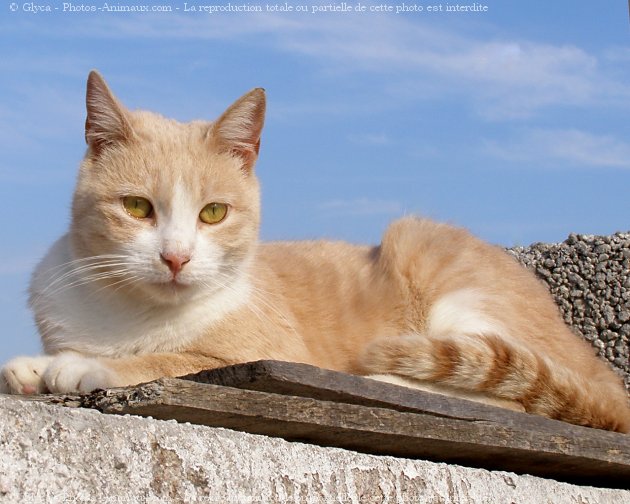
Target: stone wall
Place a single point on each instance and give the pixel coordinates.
(58, 455)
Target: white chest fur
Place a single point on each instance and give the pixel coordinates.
(108, 322)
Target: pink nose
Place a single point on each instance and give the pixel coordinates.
(175, 261)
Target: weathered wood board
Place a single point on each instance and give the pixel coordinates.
(304, 403)
(303, 380)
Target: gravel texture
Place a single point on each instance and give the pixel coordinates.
(589, 277)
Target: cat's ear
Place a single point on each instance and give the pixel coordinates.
(106, 122)
(238, 129)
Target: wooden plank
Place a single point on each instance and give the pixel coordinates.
(303, 380)
(574, 454)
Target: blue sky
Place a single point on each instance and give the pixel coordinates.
(511, 122)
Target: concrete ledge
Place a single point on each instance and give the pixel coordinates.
(53, 454)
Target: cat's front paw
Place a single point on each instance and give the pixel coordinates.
(76, 373)
(24, 375)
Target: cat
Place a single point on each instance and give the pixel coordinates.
(162, 274)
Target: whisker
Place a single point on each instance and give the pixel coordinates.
(125, 282)
(118, 271)
(84, 280)
(81, 269)
(100, 258)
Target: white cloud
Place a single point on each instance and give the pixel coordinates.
(363, 206)
(568, 146)
(502, 78)
(175, 25)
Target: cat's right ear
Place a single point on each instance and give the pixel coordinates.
(106, 123)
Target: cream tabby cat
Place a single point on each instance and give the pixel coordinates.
(162, 274)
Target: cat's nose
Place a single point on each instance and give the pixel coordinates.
(175, 261)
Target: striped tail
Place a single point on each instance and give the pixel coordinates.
(503, 369)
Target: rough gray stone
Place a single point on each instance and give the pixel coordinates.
(57, 455)
(589, 277)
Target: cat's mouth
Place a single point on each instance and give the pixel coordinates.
(171, 290)
(171, 285)
(176, 284)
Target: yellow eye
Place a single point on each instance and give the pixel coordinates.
(213, 213)
(137, 207)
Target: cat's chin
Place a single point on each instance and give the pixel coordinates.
(171, 292)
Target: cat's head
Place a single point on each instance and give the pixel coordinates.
(172, 209)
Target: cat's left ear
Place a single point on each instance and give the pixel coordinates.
(238, 130)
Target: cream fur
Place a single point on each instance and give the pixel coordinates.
(431, 306)
(462, 311)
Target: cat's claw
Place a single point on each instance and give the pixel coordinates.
(75, 373)
(24, 375)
